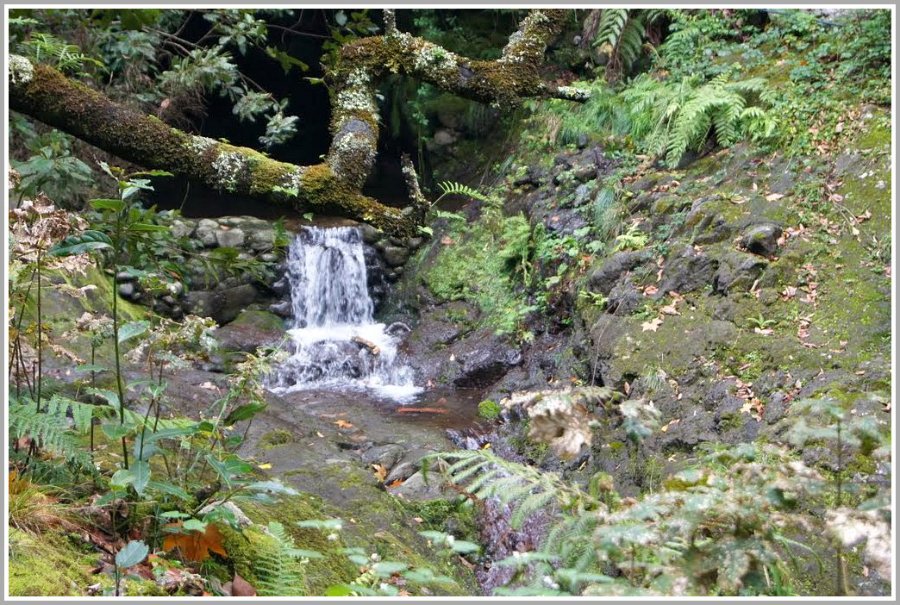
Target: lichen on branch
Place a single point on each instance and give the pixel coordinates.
(335, 185)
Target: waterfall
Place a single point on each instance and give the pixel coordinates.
(334, 340)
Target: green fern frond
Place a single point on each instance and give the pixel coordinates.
(454, 188)
(277, 569)
(612, 23)
(49, 430)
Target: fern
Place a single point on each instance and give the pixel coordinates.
(454, 188)
(50, 430)
(669, 119)
(621, 34)
(279, 570)
(485, 475)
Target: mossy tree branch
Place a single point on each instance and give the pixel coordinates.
(335, 185)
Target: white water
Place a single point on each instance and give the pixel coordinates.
(331, 306)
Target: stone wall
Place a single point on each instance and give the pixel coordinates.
(235, 262)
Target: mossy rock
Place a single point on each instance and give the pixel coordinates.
(47, 565)
(275, 438)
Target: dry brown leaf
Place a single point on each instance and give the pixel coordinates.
(195, 545)
(343, 424)
(652, 325)
(774, 197)
(670, 310)
(380, 472)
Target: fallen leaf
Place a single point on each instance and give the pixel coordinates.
(195, 545)
(650, 290)
(209, 386)
(343, 424)
(774, 197)
(320, 435)
(397, 483)
(380, 472)
(265, 466)
(763, 331)
(670, 310)
(652, 325)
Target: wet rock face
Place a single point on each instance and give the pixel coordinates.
(250, 330)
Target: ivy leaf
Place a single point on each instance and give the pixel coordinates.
(87, 241)
(141, 471)
(244, 412)
(133, 553)
(132, 329)
(107, 204)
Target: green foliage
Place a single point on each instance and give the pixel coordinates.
(721, 527)
(51, 167)
(485, 262)
(48, 428)
(633, 239)
(47, 48)
(668, 119)
(489, 409)
(279, 570)
(620, 36)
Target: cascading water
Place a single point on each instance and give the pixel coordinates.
(334, 341)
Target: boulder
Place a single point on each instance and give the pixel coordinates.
(604, 278)
(250, 330)
(206, 232)
(395, 256)
(230, 238)
(222, 305)
(762, 239)
(689, 271)
(737, 271)
(484, 357)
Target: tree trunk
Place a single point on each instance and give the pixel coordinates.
(334, 186)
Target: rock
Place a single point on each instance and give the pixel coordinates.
(282, 309)
(415, 488)
(223, 305)
(737, 271)
(175, 288)
(231, 238)
(444, 137)
(181, 229)
(125, 276)
(484, 357)
(250, 330)
(624, 299)
(128, 290)
(385, 455)
(603, 279)
(583, 195)
(401, 472)
(268, 257)
(689, 271)
(370, 234)
(762, 239)
(206, 232)
(262, 240)
(395, 256)
(414, 242)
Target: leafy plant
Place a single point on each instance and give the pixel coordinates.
(633, 239)
(671, 118)
(620, 36)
